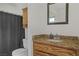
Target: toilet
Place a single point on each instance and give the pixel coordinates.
(21, 51)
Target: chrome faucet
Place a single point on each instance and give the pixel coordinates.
(51, 36)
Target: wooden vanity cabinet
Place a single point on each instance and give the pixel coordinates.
(42, 49)
(25, 17)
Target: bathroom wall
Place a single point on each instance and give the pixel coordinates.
(14, 8)
(38, 22)
(70, 29)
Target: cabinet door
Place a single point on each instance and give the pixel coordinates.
(25, 17)
(61, 51)
(53, 50)
(39, 53)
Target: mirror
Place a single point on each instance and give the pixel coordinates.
(57, 13)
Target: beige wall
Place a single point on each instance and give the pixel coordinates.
(14, 8)
(38, 20)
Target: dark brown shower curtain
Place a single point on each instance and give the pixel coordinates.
(11, 33)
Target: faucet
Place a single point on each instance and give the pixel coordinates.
(56, 36)
(51, 36)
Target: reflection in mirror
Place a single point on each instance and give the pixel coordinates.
(57, 13)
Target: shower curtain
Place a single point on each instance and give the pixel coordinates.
(11, 33)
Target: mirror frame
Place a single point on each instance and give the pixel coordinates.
(66, 12)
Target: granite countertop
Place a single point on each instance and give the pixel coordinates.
(67, 43)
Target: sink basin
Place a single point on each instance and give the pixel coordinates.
(52, 40)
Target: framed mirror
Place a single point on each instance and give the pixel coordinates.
(57, 13)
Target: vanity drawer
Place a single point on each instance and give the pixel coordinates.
(39, 53)
(61, 51)
(40, 47)
(53, 50)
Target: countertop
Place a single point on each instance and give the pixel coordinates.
(66, 43)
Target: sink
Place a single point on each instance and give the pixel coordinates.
(53, 40)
